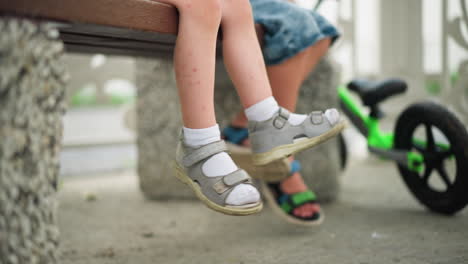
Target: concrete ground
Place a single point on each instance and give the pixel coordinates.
(105, 219)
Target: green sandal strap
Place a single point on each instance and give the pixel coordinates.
(303, 197)
(289, 202)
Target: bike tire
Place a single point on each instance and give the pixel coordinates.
(455, 197)
(342, 151)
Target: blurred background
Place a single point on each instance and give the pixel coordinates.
(423, 42)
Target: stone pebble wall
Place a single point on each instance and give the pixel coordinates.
(32, 86)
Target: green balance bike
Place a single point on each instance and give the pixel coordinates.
(429, 144)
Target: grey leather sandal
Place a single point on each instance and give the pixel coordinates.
(276, 138)
(212, 191)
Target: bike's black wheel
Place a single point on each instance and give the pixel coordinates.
(342, 151)
(440, 187)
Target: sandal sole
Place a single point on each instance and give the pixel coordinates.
(290, 219)
(229, 210)
(290, 149)
(273, 172)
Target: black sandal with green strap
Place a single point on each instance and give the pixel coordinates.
(284, 204)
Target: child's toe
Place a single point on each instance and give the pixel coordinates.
(243, 194)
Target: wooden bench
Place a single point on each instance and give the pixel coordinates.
(114, 27)
(124, 27)
(32, 103)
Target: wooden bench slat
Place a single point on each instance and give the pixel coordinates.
(144, 15)
(116, 32)
(119, 51)
(115, 41)
(115, 46)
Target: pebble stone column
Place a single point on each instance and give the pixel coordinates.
(32, 84)
(158, 126)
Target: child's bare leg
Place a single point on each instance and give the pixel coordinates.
(286, 78)
(194, 62)
(242, 54)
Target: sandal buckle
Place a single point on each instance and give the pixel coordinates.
(220, 187)
(316, 117)
(235, 178)
(281, 119)
(231, 180)
(204, 152)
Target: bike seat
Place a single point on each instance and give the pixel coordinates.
(372, 93)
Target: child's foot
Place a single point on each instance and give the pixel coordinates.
(213, 176)
(291, 200)
(295, 184)
(282, 135)
(288, 183)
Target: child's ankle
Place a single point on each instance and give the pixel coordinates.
(200, 137)
(262, 110)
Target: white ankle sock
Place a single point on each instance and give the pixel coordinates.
(201, 136)
(295, 119)
(332, 115)
(220, 164)
(266, 108)
(262, 110)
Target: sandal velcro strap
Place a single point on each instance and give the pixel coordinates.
(316, 117)
(303, 197)
(292, 201)
(230, 180)
(281, 119)
(239, 176)
(204, 152)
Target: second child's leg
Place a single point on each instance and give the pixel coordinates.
(286, 79)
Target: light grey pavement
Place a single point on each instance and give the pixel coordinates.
(376, 220)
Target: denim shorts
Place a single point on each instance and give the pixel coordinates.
(289, 29)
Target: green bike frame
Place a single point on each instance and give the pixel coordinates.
(379, 142)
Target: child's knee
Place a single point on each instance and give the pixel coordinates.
(207, 12)
(323, 45)
(237, 10)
